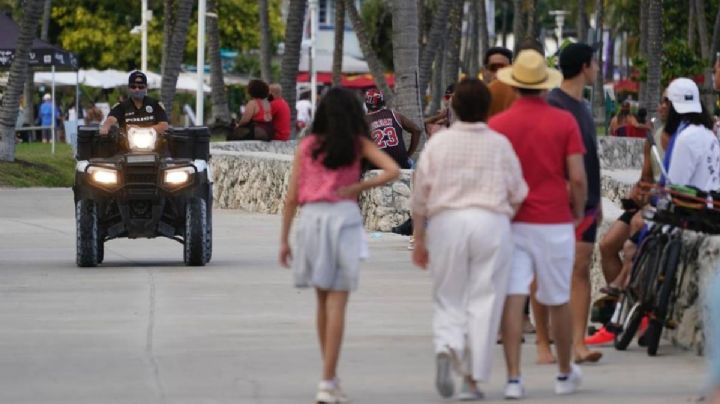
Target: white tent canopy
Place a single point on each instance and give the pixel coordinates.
(113, 78)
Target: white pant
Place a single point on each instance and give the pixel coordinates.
(470, 256)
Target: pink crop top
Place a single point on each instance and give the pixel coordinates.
(317, 183)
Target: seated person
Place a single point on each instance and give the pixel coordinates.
(642, 126)
(256, 120)
(619, 123)
(386, 129)
(280, 111)
(445, 117)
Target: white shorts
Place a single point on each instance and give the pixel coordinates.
(545, 252)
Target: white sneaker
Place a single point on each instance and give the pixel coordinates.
(571, 383)
(514, 390)
(330, 393)
(443, 376)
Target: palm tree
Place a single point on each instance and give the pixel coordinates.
(643, 94)
(46, 20)
(518, 22)
(436, 37)
(376, 68)
(291, 57)
(169, 11)
(482, 25)
(716, 34)
(654, 48)
(406, 53)
(581, 24)
(339, 42)
(452, 61)
(220, 108)
(598, 90)
(473, 44)
(16, 80)
(529, 9)
(705, 49)
(175, 50)
(265, 41)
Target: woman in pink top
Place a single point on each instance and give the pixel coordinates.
(325, 180)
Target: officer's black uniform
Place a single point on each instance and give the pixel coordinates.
(150, 113)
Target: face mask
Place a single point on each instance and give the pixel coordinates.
(138, 94)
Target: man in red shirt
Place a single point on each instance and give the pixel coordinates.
(280, 111)
(549, 146)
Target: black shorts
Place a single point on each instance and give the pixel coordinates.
(627, 216)
(587, 230)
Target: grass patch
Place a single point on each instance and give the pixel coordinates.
(35, 166)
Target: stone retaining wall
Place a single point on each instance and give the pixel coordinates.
(620, 152)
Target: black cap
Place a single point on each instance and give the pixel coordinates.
(574, 56)
(137, 77)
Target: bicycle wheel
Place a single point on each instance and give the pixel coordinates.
(671, 257)
(631, 314)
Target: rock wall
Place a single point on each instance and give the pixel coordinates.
(620, 152)
(388, 206)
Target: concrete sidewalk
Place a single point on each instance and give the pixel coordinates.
(142, 328)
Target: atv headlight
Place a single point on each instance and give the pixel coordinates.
(142, 139)
(103, 176)
(178, 176)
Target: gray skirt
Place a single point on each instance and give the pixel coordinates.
(329, 244)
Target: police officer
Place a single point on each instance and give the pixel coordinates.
(138, 110)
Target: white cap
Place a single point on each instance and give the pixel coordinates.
(47, 97)
(684, 95)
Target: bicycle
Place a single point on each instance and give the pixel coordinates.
(659, 266)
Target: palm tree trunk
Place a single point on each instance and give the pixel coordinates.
(581, 24)
(16, 79)
(265, 42)
(220, 108)
(705, 49)
(655, 45)
(169, 10)
(339, 42)
(291, 57)
(452, 61)
(406, 54)
(530, 12)
(642, 91)
(376, 67)
(476, 24)
(716, 34)
(435, 39)
(610, 71)
(598, 90)
(47, 9)
(504, 25)
(438, 86)
(518, 22)
(482, 25)
(175, 51)
(691, 24)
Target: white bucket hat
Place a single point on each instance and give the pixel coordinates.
(684, 95)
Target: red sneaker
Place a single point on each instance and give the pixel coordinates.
(601, 336)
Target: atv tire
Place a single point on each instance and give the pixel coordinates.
(197, 240)
(87, 240)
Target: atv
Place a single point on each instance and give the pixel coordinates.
(137, 184)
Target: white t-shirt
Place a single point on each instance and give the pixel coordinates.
(304, 109)
(695, 159)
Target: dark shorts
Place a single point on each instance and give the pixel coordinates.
(586, 231)
(627, 216)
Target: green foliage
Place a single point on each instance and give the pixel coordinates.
(35, 166)
(377, 18)
(678, 60)
(98, 31)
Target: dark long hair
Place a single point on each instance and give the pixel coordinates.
(693, 118)
(339, 123)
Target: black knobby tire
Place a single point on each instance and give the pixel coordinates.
(631, 315)
(671, 258)
(86, 236)
(101, 251)
(209, 226)
(196, 251)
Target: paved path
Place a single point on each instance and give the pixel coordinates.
(145, 329)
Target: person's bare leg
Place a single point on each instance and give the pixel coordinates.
(512, 333)
(335, 325)
(561, 323)
(580, 302)
(629, 250)
(610, 247)
(542, 329)
(321, 319)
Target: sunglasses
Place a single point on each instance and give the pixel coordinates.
(137, 86)
(496, 66)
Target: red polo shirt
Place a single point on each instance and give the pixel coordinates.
(543, 137)
(280, 111)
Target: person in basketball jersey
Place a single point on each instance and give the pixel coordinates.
(387, 126)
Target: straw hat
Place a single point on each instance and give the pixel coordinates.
(529, 71)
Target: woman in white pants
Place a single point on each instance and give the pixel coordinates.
(468, 185)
